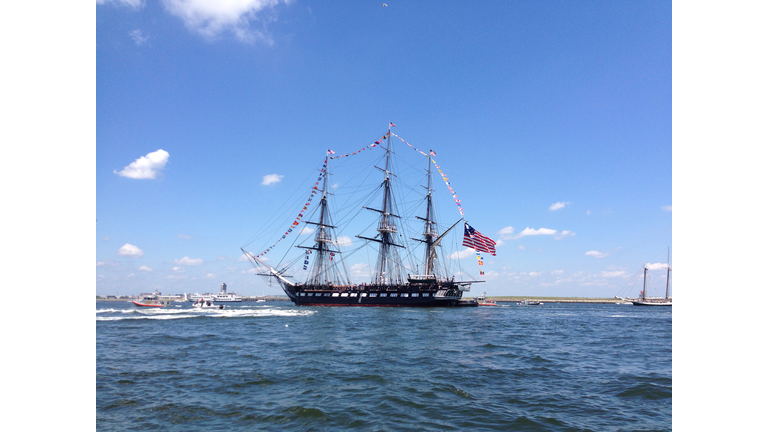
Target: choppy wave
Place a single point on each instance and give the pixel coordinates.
(166, 314)
(563, 368)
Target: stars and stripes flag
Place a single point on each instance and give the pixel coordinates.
(432, 153)
(330, 152)
(477, 241)
(392, 124)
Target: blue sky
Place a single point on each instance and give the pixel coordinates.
(527, 104)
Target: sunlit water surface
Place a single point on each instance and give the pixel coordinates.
(275, 366)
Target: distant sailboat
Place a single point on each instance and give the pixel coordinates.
(644, 300)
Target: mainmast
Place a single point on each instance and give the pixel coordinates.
(645, 271)
(429, 232)
(388, 267)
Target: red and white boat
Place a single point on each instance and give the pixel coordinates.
(482, 301)
(151, 301)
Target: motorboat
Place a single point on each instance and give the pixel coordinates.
(482, 301)
(151, 300)
(207, 304)
(527, 302)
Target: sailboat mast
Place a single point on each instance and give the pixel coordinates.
(387, 260)
(666, 294)
(645, 272)
(319, 274)
(431, 254)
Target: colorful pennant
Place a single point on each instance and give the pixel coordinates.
(379, 141)
(442, 174)
(295, 223)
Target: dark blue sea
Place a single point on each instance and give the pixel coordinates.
(275, 366)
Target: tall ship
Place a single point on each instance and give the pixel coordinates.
(408, 266)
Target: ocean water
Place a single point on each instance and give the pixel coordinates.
(275, 366)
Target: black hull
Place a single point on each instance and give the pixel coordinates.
(390, 296)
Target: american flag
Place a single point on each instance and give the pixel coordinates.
(432, 153)
(392, 124)
(331, 152)
(479, 242)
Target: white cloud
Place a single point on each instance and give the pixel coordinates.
(597, 254)
(563, 234)
(521, 247)
(656, 266)
(242, 258)
(613, 273)
(137, 37)
(557, 271)
(222, 257)
(213, 17)
(130, 250)
(271, 178)
(131, 275)
(506, 232)
(108, 263)
(189, 261)
(176, 276)
(136, 4)
(146, 167)
(145, 268)
(184, 236)
(462, 254)
(534, 273)
(360, 270)
(343, 241)
(667, 208)
(335, 186)
(558, 205)
(178, 269)
(589, 212)
(541, 231)
(211, 275)
(306, 230)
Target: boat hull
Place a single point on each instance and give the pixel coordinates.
(148, 304)
(398, 296)
(382, 302)
(642, 303)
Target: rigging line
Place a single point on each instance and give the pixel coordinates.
(633, 281)
(298, 234)
(279, 239)
(267, 224)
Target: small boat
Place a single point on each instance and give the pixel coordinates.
(206, 304)
(648, 301)
(151, 300)
(527, 302)
(482, 301)
(261, 301)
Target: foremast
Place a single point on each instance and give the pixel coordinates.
(325, 271)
